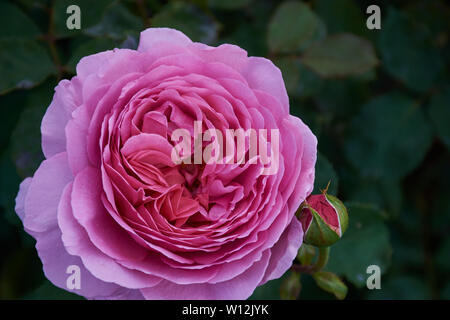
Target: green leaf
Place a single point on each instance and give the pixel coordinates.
(435, 14)
(12, 105)
(6, 234)
(247, 36)
(188, 19)
(325, 173)
(309, 115)
(15, 24)
(311, 291)
(9, 186)
(131, 42)
(441, 205)
(342, 16)
(228, 4)
(21, 271)
(291, 286)
(340, 55)
(290, 70)
(388, 138)
(341, 98)
(446, 292)
(246, 28)
(26, 138)
(440, 115)
(23, 64)
(47, 291)
(330, 282)
(309, 83)
(405, 247)
(117, 23)
(91, 14)
(269, 290)
(299, 80)
(365, 243)
(407, 52)
(384, 193)
(443, 257)
(90, 47)
(402, 287)
(294, 27)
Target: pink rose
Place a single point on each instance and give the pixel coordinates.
(110, 200)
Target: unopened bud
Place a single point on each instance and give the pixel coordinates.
(324, 219)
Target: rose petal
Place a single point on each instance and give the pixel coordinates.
(103, 267)
(263, 75)
(153, 37)
(21, 196)
(57, 115)
(103, 231)
(44, 192)
(284, 251)
(240, 287)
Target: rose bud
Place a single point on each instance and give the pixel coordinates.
(324, 219)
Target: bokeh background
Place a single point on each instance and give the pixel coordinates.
(378, 101)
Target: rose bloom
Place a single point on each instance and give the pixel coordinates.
(110, 200)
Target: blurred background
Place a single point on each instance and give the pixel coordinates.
(378, 101)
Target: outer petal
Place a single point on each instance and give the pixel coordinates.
(56, 260)
(284, 251)
(238, 288)
(99, 265)
(20, 198)
(305, 182)
(91, 64)
(228, 54)
(54, 256)
(263, 75)
(58, 114)
(44, 192)
(76, 135)
(153, 36)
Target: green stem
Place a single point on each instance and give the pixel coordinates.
(322, 260)
(301, 269)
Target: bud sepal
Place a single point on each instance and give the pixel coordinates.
(331, 283)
